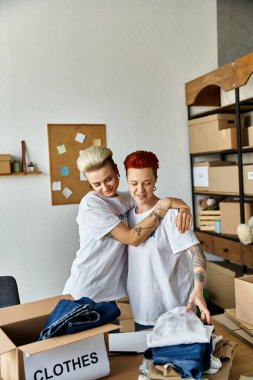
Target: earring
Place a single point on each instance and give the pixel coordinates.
(154, 189)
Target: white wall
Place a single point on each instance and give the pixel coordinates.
(119, 62)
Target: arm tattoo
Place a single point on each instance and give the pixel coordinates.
(157, 217)
(199, 276)
(198, 257)
(110, 235)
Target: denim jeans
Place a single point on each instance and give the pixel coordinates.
(190, 360)
(70, 317)
(139, 327)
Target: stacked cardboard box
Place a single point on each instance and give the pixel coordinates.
(213, 133)
(230, 216)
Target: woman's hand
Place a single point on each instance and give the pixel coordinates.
(184, 219)
(197, 298)
(184, 216)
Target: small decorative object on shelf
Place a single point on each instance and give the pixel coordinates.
(16, 166)
(30, 167)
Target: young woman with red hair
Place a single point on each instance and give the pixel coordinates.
(159, 277)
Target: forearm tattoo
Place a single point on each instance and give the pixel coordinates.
(198, 257)
(199, 276)
(198, 261)
(157, 217)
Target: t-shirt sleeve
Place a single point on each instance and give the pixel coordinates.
(179, 242)
(96, 217)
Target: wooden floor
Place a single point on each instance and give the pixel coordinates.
(126, 367)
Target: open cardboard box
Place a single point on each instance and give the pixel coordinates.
(76, 356)
(244, 298)
(127, 340)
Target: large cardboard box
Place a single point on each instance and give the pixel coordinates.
(244, 298)
(205, 136)
(230, 216)
(5, 163)
(248, 179)
(76, 356)
(220, 282)
(201, 173)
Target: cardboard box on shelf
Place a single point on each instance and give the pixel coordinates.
(230, 216)
(244, 298)
(201, 173)
(224, 179)
(248, 136)
(204, 133)
(5, 163)
(76, 356)
(248, 179)
(227, 139)
(220, 282)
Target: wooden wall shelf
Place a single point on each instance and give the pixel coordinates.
(22, 173)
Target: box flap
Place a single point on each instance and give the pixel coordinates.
(30, 310)
(49, 344)
(6, 343)
(5, 157)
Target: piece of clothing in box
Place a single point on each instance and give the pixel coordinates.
(69, 317)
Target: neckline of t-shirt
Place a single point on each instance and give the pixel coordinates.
(147, 211)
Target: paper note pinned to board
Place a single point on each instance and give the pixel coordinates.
(80, 137)
(56, 185)
(66, 192)
(97, 142)
(61, 149)
(82, 176)
(64, 171)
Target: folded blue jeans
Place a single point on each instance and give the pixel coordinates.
(69, 317)
(190, 360)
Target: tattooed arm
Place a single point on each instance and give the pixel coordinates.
(199, 270)
(137, 234)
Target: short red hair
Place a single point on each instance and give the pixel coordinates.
(142, 159)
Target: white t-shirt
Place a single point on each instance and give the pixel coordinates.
(99, 270)
(159, 277)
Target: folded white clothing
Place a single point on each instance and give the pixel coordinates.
(178, 326)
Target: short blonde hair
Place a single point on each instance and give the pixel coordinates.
(94, 158)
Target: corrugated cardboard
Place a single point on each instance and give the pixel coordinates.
(227, 139)
(204, 133)
(5, 163)
(248, 136)
(230, 216)
(248, 179)
(220, 282)
(23, 356)
(244, 298)
(201, 173)
(224, 179)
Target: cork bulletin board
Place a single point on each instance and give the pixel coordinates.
(65, 141)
